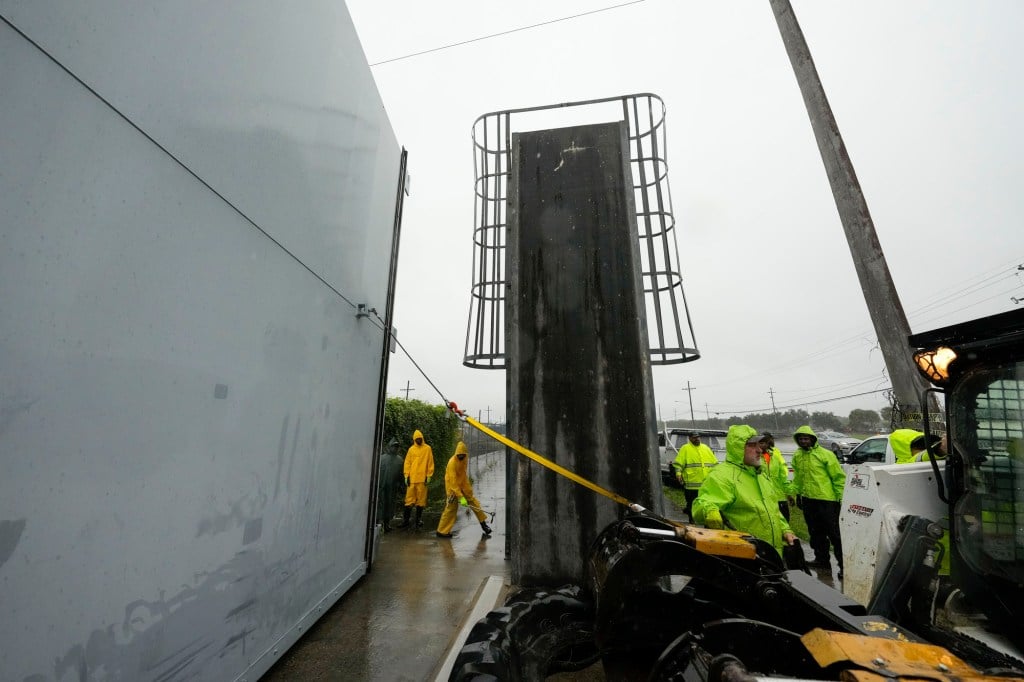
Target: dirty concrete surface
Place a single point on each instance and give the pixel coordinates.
(397, 623)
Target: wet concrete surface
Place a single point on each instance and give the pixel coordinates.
(397, 622)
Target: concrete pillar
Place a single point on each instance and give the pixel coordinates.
(579, 378)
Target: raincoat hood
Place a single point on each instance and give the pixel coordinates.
(806, 430)
(900, 440)
(461, 449)
(736, 441)
(419, 460)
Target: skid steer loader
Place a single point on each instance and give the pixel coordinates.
(669, 601)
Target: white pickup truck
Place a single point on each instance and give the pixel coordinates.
(873, 450)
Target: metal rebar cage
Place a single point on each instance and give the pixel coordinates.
(670, 332)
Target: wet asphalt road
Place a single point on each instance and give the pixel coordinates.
(396, 623)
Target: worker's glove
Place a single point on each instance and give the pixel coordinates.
(407, 481)
(429, 478)
(713, 519)
(679, 477)
(462, 501)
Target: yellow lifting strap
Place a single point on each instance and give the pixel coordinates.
(715, 542)
(547, 462)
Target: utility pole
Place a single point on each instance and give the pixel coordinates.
(689, 394)
(774, 411)
(488, 414)
(406, 390)
(887, 316)
(707, 412)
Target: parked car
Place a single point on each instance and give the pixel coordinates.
(839, 443)
(671, 441)
(873, 450)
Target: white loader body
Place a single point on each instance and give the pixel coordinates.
(875, 499)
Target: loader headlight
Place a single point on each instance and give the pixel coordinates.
(934, 364)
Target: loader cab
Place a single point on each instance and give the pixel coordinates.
(979, 366)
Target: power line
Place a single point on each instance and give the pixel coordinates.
(765, 410)
(837, 347)
(971, 305)
(957, 287)
(844, 384)
(973, 289)
(503, 33)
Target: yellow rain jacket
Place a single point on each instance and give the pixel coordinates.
(456, 480)
(456, 486)
(419, 461)
(693, 464)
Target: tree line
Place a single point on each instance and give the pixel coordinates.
(859, 421)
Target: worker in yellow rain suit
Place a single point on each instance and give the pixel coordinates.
(418, 470)
(459, 490)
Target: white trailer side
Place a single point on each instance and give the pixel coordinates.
(193, 198)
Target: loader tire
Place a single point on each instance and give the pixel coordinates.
(537, 633)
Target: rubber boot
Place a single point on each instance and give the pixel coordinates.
(419, 517)
(486, 529)
(405, 518)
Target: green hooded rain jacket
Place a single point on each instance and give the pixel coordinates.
(900, 440)
(745, 498)
(777, 471)
(816, 471)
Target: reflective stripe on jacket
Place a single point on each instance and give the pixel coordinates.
(694, 462)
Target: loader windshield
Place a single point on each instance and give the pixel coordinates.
(987, 409)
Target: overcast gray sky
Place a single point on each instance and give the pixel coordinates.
(928, 96)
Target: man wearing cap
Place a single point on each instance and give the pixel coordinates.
(818, 481)
(735, 495)
(693, 464)
(777, 471)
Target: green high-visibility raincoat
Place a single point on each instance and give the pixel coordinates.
(746, 500)
(816, 471)
(693, 464)
(777, 471)
(900, 440)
